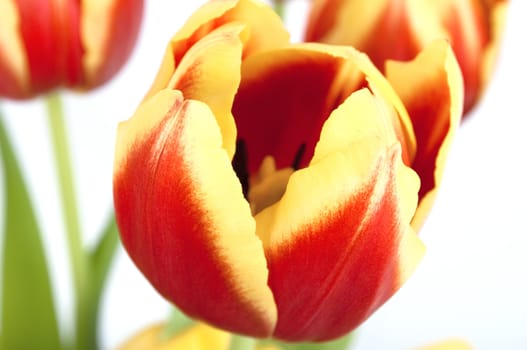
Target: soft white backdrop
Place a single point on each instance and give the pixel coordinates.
(473, 280)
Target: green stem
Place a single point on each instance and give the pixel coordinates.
(84, 336)
(102, 256)
(279, 7)
(99, 261)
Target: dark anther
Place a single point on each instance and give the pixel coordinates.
(239, 164)
(298, 156)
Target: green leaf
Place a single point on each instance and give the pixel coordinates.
(337, 344)
(102, 256)
(28, 313)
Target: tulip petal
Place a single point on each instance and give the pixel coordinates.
(380, 28)
(465, 25)
(286, 95)
(399, 30)
(264, 28)
(267, 30)
(339, 243)
(13, 62)
(214, 81)
(225, 30)
(183, 217)
(52, 42)
(431, 88)
(108, 32)
(497, 15)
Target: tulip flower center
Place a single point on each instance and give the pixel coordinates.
(268, 184)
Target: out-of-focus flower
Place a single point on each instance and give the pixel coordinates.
(47, 44)
(196, 337)
(452, 344)
(203, 337)
(270, 189)
(399, 29)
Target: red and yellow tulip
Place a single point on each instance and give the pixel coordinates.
(47, 44)
(272, 189)
(399, 29)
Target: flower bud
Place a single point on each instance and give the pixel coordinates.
(49, 44)
(399, 29)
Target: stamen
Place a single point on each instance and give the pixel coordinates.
(298, 156)
(239, 164)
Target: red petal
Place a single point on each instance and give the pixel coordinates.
(109, 33)
(343, 266)
(432, 90)
(339, 241)
(284, 98)
(50, 31)
(183, 218)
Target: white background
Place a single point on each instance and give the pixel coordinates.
(473, 280)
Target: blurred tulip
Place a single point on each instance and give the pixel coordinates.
(198, 337)
(267, 188)
(399, 29)
(48, 44)
(203, 337)
(453, 344)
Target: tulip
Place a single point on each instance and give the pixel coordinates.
(49, 44)
(267, 188)
(197, 337)
(400, 29)
(451, 344)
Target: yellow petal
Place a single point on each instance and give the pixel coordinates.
(198, 337)
(178, 199)
(108, 33)
(355, 197)
(203, 59)
(210, 72)
(431, 88)
(454, 344)
(13, 61)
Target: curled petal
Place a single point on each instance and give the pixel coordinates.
(317, 79)
(340, 250)
(214, 81)
(431, 88)
(175, 193)
(264, 27)
(227, 31)
(473, 29)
